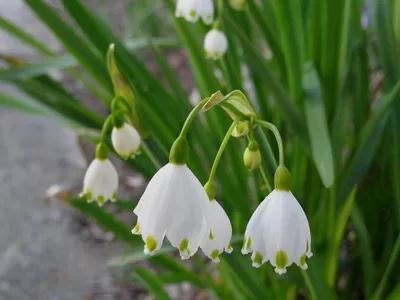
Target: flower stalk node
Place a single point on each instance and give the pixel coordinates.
(179, 151)
(283, 179)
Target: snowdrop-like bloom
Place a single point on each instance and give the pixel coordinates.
(101, 182)
(219, 234)
(174, 205)
(192, 10)
(215, 44)
(278, 231)
(126, 141)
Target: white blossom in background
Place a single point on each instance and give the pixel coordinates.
(174, 205)
(126, 141)
(219, 234)
(193, 10)
(101, 182)
(215, 44)
(278, 232)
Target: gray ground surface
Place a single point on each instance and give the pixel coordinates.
(40, 258)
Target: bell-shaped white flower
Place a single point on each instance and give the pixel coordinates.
(101, 182)
(215, 44)
(174, 205)
(278, 232)
(219, 234)
(192, 10)
(126, 141)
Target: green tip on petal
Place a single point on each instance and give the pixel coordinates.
(281, 259)
(151, 243)
(307, 246)
(192, 14)
(114, 196)
(249, 243)
(89, 196)
(303, 260)
(214, 255)
(258, 259)
(100, 200)
(210, 236)
(184, 246)
(136, 229)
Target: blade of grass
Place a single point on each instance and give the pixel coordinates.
(152, 283)
(72, 42)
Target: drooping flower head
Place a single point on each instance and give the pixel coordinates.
(173, 205)
(215, 44)
(126, 141)
(192, 10)
(279, 231)
(101, 179)
(219, 235)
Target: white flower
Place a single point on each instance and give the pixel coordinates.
(279, 232)
(100, 182)
(126, 141)
(192, 10)
(219, 235)
(174, 205)
(215, 44)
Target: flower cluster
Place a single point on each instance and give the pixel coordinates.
(176, 206)
(215, 42)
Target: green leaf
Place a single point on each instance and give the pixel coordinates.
(66, 61)
(235, 104)
(136, 255)
(366, 145)
(283, 103)
(365, 249)
(289, 21)
(315, 280)
(24, 37)
(32, 70)
(317, 126)
(105, 220)
(72, 42)
(394, 256)
(152, 283)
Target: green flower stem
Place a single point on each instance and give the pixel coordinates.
(220, 18)
(108, 124)
(150, 155)
(278, 138)
(220, 151)
(191, 117)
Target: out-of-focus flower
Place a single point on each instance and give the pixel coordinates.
(215, 44)
(126, 141)
(192, 10)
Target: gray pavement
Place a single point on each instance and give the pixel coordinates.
(40, 258)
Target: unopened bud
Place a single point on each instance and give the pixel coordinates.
(252, 156)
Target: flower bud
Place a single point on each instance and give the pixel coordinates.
(126, 141)
(215, 44)
(252, 156)
(241, 129)
(238, 4)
